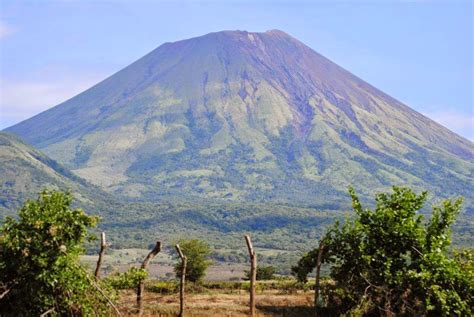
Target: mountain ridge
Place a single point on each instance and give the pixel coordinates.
(247, 116)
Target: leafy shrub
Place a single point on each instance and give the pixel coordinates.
(390, 260)
(39, 260)
(164, 287)
(128, 279)
(263, 273)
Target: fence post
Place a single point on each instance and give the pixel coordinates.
(253, 274)
(103, 246)
(184, 261)
(141, 285)
(318, 269)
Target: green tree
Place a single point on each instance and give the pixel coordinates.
(198, 253)
(39, 260)
(390, 261)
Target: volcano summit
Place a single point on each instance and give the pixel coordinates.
(246, 116)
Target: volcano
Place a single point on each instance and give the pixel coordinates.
(244, 116)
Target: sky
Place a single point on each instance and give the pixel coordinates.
(419, 52)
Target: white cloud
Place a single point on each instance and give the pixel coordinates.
(461, 123)
(6, 30)
(19, 100)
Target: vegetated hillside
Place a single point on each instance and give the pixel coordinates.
(247, 117)
(24, 172)
(279, 231)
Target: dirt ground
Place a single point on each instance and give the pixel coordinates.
(269, 303)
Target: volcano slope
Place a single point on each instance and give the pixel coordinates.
(247, 117)
(25, 171)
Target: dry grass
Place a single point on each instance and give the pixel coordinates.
(269, 303)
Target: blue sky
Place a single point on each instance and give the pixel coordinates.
(418, 52)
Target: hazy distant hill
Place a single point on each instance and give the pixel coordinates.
(247, 117)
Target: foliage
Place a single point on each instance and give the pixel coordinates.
(465, 259)
(128, 279)
(264, 272)
(198, 253)
(164, 287)
(389, 259)
(280, 220)
(305, 265)
(39, 256)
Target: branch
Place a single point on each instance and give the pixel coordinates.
(104, 295)
(5, 293)
(8, 288)
(103, 246)
(370, 284)
(47, 312)
(93, 283)
(418, 251)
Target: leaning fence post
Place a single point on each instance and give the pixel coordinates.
(318, 269)
(141, 285)
(253, 273)
(184, 261)
(103, 246)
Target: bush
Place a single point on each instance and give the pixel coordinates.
(39, 260)
(197, 252)
(128, 279)
(263, 273)
(389, 259)
(164, 287)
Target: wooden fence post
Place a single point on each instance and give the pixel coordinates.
(141, 285)
(103, 246)
(184, 261)
(253, 274)
(318, 269)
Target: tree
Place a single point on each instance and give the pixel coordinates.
(390, 261)
(264, 272)
(39, 260)
(197, 252)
